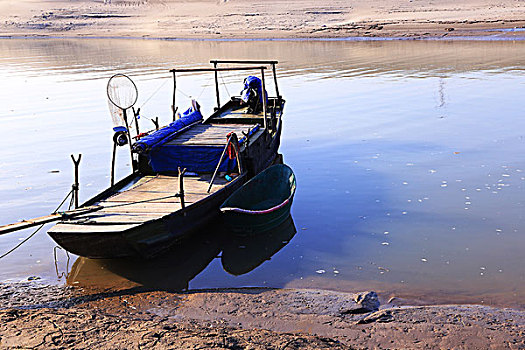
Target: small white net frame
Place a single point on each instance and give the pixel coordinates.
(122, 94)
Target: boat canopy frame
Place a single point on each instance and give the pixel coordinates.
(217, 69)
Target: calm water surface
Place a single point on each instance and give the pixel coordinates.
(409, 158)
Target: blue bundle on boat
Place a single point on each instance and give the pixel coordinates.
(166, 134)
(252, 94)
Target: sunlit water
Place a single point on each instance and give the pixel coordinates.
(409, 157)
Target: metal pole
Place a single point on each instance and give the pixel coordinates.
(75, 186)
(217, 86)
(264, 98)
(275, 81)
(174, 91)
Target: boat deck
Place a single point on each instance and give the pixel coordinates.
(239, 114)
(149, 198)
(210, 134)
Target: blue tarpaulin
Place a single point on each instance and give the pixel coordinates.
(196, 159)
(166, 134)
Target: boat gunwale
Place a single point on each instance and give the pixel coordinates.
(262, 211)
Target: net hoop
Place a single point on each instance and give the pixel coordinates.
(122, 91)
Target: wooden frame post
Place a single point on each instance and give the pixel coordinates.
(173, 108)
(181, 187)
(264, 99)
(76, 185)
(275, 81)
(217, 86)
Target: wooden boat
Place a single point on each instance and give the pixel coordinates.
(158, 204)
(262, 203)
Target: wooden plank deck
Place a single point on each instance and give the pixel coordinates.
(210, 134)
(150, 198)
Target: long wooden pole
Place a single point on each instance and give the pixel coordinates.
(220, 161)
(46, 219)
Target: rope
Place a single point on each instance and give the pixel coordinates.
(138, 202)
(38, 229)
(155, 92)
(63, 201)
(19, 244)
(225, 86)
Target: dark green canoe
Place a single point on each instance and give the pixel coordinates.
(262, 203)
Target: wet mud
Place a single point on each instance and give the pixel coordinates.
(39, 316)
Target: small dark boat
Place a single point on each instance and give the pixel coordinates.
(262, 203)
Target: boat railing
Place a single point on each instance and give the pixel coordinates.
(273, 63)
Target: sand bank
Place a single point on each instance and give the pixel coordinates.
(255, 19)
(47, 317)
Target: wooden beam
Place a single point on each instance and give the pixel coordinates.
(46, 219)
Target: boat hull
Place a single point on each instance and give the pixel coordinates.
(150, 238)
(262, 203)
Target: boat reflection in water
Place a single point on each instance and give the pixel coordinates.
(174, 270)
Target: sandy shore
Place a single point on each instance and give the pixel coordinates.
(37, 316)
(237, 19)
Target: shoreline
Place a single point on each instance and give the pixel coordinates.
(291, 39)
(238, 20)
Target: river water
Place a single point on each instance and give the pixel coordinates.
(409, 159)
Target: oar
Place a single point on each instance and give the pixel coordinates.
(48, 218)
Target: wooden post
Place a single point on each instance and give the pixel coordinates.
(181, 187)
(133, 165)
(75, 186)
(135, 115)
(173, 108)
(217, 86)
(156, 122)
(113, 163)
(275, 81)
(264, 99)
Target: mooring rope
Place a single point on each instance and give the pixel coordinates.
(38, 229)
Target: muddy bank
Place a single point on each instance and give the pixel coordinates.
(251, 19)
(56, 316)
